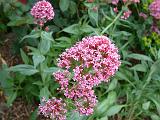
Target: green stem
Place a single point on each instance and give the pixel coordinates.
(116, 18)
(139, 96)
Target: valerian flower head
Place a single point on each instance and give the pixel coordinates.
(53, 108)
(155, 9)
(87, 64)
(42, 12)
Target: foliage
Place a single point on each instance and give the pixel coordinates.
(133, 93)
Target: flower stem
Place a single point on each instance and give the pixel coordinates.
(116, 18)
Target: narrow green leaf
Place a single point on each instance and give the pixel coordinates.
(52, 70)
(11, 99)
(23, 69)
(93, 15)
(139, 57)
(104, 118)
(6, 82)
(155, 117)
(146, 105)
(157, 103)
(139, 67)
(114, 110)
(73, 29)
(154, 71)
(105, 104)
(112, 85)
(24, 57)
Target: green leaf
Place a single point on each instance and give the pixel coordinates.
(46, 36)
(140, 57)
(157, 103)
(62, 42)
(11, 99)
(93, 15)
(75, 116)
(114, 110)
(52, 70)
(64, 4)
(24, 69)
(39, 83)
(44, 46)
(72, 8)
(18, 21)
(45, 42)
(5, 82)
(139, 67)
(24, 57)
(73, 29)
(37, 59)
(87, 28)
(34, 34)
(154, 71)
(159, 54)
(44, 92)
(34, 115)
(104, 118)
(146, 105)
(105, 104)
(112, 85)
(155, 117)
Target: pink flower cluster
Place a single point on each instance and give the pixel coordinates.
(154, 28)
(87, 64)
(126, 14)
(155, 9)
(115, 2)
(143, 15)
(53, 108)
(42, 12)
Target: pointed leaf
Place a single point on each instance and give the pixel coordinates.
(139, 57)
(114, 110)
(23, 69)
(24, 57)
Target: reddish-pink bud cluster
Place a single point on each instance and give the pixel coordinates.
(115, 2)
(53, 108)
(42, 12)
(87, 64)
(126, 14)
(143, 15)
(155, 9)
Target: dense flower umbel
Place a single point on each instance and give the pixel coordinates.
(86, 65)
(42, 12)
(53, 108)
(155, 9)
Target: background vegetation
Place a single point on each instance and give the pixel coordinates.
(132, 94)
